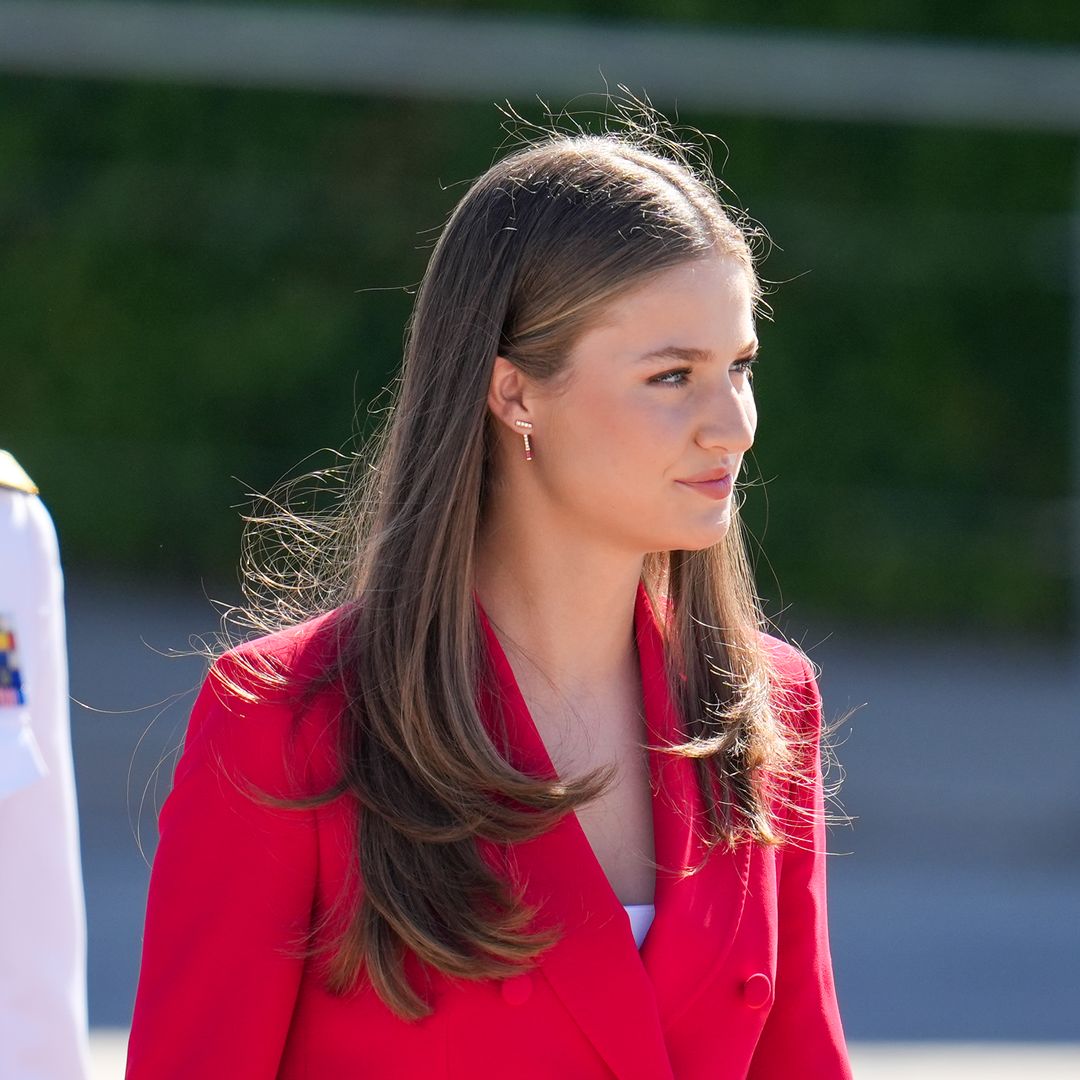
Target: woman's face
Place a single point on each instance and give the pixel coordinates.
(658, 399)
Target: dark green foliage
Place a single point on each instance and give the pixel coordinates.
(204, 284)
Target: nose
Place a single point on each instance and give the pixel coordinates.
(729, 420)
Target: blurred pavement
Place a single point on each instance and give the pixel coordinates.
(870, 1061)
(955, 919)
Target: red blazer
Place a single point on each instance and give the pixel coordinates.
(733, 979)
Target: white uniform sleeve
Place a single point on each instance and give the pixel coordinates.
(43, 1024)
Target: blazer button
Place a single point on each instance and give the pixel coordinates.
(757, 990)
(516, 991)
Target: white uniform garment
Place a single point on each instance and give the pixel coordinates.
(43, 1024)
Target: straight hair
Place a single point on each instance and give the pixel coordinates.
(526, 263)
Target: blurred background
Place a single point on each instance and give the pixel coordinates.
(212, 220)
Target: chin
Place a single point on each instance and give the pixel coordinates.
(715, 538)
(696, 540)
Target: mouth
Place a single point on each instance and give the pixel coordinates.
(718, 488)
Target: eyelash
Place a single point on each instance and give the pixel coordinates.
(741, 366)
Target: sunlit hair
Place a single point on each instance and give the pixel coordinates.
(528, 259)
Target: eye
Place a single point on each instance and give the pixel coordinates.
(669, 377)
(745, 366)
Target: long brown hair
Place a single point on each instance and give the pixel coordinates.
(529, 256)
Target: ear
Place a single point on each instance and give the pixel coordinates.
(509, 393)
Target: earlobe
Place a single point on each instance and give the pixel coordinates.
(526, 427)
(506, 400)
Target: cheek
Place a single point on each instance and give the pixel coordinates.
(612, 453)
(632, 434)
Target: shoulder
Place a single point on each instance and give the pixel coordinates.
(267, 710)
(794, 688)
(28, 532)
(13, 476)
(788, 662)
(797, 711)
(279, 665)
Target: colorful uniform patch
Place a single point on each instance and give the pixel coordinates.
(11, 685)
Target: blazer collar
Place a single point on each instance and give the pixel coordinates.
(623, 999)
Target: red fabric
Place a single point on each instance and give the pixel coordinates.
(733, 980)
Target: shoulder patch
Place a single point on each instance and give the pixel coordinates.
(13, 475)
(12, 691)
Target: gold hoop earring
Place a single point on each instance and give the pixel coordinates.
(525, 435)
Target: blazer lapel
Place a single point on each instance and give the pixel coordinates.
(622, 999)
(697, 915)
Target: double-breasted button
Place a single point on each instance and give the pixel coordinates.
(516, 991)
(757, 990)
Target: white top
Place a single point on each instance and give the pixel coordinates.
(641, 917)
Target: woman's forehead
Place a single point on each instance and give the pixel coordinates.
(711, 300)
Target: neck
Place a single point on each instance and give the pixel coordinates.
(559, 604)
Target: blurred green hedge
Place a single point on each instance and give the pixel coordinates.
(202, 285)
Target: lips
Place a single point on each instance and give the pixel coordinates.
(707, 477)
(715, 484)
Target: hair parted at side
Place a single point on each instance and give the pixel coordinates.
(550, 233)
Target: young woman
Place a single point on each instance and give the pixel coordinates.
(533, 795)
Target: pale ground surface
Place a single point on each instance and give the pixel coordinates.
(953, 919)
(870, 1061)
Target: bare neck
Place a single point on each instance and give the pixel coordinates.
(563, 609)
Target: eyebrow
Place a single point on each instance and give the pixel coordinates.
(678, 352)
